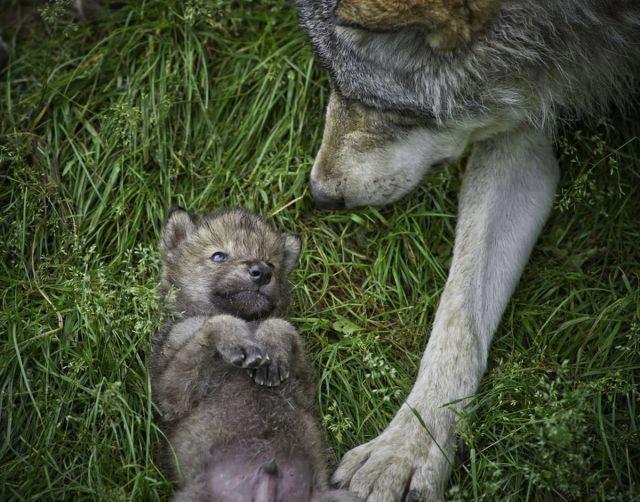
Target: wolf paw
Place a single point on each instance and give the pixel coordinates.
(403, 463)
(234, 341)
(272, 373)
(277, 337)
(244, 355)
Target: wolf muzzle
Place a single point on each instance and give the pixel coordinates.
(325, 200)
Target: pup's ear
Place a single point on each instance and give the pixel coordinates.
(292, 245)
(449, 24)
(178, 227)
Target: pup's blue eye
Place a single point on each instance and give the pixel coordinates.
(219, 257)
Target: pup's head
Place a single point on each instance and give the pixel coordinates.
(227, 261)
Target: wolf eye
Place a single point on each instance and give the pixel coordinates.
(219, 257)
(270, 265)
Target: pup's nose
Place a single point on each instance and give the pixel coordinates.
(324, 200)
(260, 273)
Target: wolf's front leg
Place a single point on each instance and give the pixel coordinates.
(506, 196)
(186, 376)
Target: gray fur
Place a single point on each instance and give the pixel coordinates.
(535, 58)
(231, 380)
(398, 107)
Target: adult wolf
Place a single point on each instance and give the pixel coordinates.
(415, 83)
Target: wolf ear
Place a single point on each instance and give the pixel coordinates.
(178, 227)
(292, 245)
(450, 23)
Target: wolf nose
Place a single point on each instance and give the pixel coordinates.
(324, 200)
(260, 273)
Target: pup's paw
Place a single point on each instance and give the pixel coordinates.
(277, 337)
(272, 373)
(234, 341)
(245, 354)
(403, 463)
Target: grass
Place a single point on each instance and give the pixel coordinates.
(207, 104)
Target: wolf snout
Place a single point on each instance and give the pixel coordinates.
(323, 199)
(260, 273)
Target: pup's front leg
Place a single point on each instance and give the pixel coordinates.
(185, 378)
(505, 198)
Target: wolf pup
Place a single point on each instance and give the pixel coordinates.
(230, 376)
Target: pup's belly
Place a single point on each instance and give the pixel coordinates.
(241, 473)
